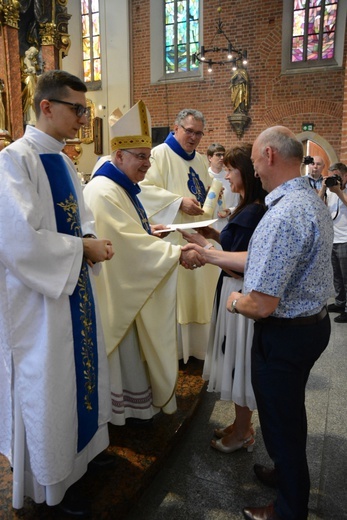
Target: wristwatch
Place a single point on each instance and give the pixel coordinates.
(233, 309)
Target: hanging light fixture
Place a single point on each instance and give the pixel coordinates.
(215, 55)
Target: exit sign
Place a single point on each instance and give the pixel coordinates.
(307, 127)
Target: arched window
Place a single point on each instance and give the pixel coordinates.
(316, 35)
(175, 35)
(91, 43)
(181, 35)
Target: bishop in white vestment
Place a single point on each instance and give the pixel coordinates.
(137, 290)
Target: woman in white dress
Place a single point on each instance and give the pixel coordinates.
(228, 365)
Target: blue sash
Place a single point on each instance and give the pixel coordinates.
(110, 171)
(81, 302)
(175, 146)
(195, 185)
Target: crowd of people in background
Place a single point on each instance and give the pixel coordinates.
(93, 344)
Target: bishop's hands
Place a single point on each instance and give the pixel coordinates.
(191, 259)
(97, 250)
(155, 228)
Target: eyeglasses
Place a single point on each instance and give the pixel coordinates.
(219, 154)
(192, 133)
(79, 109)
(139, 156)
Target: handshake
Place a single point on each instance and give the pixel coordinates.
(191, 259)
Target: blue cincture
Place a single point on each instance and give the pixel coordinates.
(81, 302)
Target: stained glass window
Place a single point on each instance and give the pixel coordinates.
(314, 30)
(181, 35)
(91, 40)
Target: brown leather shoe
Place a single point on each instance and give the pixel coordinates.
(261, 513)
(266, 475)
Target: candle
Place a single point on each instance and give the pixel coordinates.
(212, 198)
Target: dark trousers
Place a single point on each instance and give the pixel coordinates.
(282, 357)
(339, 261)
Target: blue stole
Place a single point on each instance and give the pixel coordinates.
(110, 171)
(175, 146)
(195, 185)
(81, 302)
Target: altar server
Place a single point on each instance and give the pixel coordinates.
(54, 389)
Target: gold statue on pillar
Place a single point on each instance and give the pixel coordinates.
(240, 100)
(240, 91)
(29, 81)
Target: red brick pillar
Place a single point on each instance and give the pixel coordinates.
(343, 156)
(10, 70)
(50, 57)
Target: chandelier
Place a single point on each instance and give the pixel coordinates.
(220, 55)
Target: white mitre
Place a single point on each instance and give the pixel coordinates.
(131, 130)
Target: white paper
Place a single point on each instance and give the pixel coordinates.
(189, 225)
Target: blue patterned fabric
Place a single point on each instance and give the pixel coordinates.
(196, 186)
(81, 302)
(289, 255)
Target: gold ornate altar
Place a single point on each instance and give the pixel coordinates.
(33, 38)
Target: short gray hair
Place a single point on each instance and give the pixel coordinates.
(189, 112)
(339, 166)
(282, 140)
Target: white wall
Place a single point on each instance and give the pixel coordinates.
(115, 63)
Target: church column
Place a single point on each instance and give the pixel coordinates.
(55, 40)
(49, 49)
(10, 68)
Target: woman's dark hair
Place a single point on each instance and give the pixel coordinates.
(239, 157)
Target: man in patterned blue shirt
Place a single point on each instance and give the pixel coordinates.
(288, 279)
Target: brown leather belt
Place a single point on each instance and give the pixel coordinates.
(303, 320)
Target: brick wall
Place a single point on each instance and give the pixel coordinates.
(343, 155)
(290, 100)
